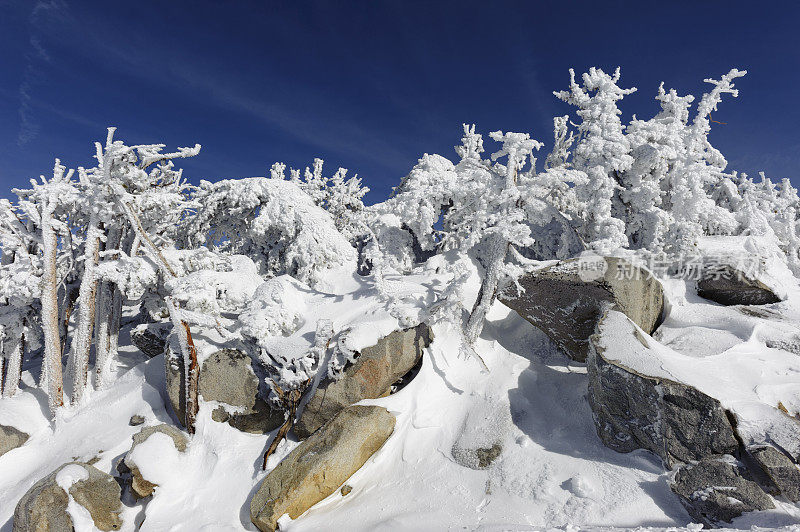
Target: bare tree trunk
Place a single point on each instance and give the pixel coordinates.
(2, 374)
(498, 247)
(82, 343)
(190, 363)
(103, 317)
(14, 351)
(51, 368)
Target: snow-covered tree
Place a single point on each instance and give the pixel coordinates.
(603, 152)
(46, 209)
(273, 222)
(341, 196)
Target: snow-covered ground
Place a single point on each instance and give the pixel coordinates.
(553, 472)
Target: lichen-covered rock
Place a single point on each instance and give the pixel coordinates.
(780, 469)
(151, 338)
(566, 301)
(44, 506)
(480, 441)
(714, 491)
(634, 411)
(320, 465)
(140, 486)
(376, 368)
(226, 376)
(11, 438)
(727, 285)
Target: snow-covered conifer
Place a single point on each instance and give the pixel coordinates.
(602, 152)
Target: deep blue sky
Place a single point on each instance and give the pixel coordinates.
(371, 85)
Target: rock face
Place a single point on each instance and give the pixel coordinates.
(567, 308)
(715, 491)
(139, 485)
(371, 376)
(320, 465)
(728, 286)
(780, 469)
(44, 506)
(151, 338)
(11, 438)
(673, 420)
(226, 376)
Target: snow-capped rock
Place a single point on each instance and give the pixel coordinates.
(728, 285)
(11, 438)
(140, 486)
(375, 369)
(565, 300)
(226, 376)
(637, 411)
(716, 490)
(321, 464)
(74, 496)
(151, 338)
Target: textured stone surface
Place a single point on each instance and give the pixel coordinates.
(370, 377)
(320, 465)
(567, 308)
(136, 420)
(673, 420)
(226, 376)
(780, 469)
(11, 438)
(151, 338)
(44, 506)
(715, 491)
(728, 286)
(140, 486)
(479, 458)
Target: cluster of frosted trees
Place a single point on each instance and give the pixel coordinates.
(79, 247)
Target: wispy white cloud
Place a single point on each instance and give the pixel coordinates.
(41, 13)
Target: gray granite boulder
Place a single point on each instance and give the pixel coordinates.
(141, 487)
(566, 300)
(716, 491)
(321, 464)
(371, 376)
(44, 506)
(727, 285)
(634, 411)
(11, 438)
(226, 376)
(151, 338)
(781, 470)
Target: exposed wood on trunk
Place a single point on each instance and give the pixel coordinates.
(188, 351)
(290, 401)
(192, 381)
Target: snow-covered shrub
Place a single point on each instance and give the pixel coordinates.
(341, 196)
(273, 222)
(276, 309)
